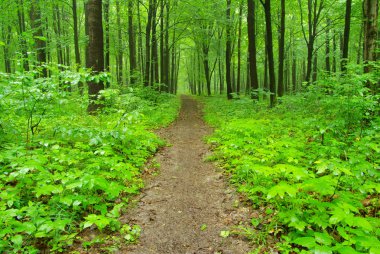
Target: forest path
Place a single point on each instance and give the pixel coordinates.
(187, 194)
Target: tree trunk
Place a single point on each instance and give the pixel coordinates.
(7, 38)
(95, 56)
(21, 23)
(370, 12)
(107, 33)
(327, 56)
(334, 64)
(40, 42)
(148, 31)
(238, 81)
(119, 57)
(132, 44)
(140, 42)
(315, 67)
(360, 47)
(346, 38)
(76, 34)
(281, 52)
(251, 20)
(228, 51)
(269, 45)
(155, 73)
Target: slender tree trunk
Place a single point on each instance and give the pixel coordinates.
(107, 32)
(327, 56)
(360, 47)
(7, 37)
(120, 49)
(140, 42)
(251, 20)
(162, 46)
(166, 54)
(315, 67)
(95, 54)
(346, 38)
(334, 61)
(40, 43)
(148, 45)
(238, 82)
(155, 73)
(76, 34)
(370, 12)
(21, 23)
(269, 45)
(58, 33)
(228, 50)
(281, 52)
(132, 44)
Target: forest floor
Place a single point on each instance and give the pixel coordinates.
(185, 207)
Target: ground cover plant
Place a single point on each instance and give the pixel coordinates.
(311, 165)
(62, 170)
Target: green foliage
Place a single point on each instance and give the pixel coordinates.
(313, 162)
(61, 170)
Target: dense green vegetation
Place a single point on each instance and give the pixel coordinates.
(62, 170)
(311, 165)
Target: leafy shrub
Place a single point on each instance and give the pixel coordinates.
(62, 171)
(312, 162)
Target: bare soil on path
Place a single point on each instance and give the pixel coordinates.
(186, 194)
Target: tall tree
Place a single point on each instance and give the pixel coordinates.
(76, 33)
(228, 51)
(238, 81)
(119, 54)
(328, 50)
(39, 39)
(346, 37)
(254, 82)
(132, 43)
(370, 12)
(95, 51)
(281, 51)
(21, 30)
(314, 8)
(269, 45)
(148, 31)
(107, 33)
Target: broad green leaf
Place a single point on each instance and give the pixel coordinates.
(323, 238)
(17, 240)
(308, 242)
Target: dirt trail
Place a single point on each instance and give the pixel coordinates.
(187, 194)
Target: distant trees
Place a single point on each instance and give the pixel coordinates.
(233, 44)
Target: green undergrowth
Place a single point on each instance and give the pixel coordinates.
(311, 166)
(61, 170)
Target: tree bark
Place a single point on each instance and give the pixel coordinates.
(132, 44)
(119, 56)
(76, 33)
(21, 23)
(328, 51)
(228, 51)
(269, 45)
(95, 56)
(40, 42)
(155, 73)
(238, 81)
(346, 38)
(251, 20)
(370, 12)
(281, 52)
(148, 31)
(107, 33)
